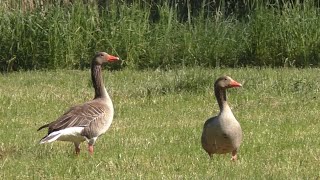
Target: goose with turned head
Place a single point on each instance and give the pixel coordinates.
(88, 121)
(222, 133)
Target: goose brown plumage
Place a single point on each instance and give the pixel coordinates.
(222, 134)
(88, 121)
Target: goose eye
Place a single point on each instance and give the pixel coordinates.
(225, 79)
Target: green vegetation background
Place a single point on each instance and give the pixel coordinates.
(165, 34)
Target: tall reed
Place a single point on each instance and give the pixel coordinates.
(65, 36)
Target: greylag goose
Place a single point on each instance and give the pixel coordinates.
(88, 121)
(222, 134)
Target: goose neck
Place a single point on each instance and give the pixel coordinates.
(97, 81)
(221, 97)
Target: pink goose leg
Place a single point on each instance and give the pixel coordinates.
(234, 155)
(90, 148)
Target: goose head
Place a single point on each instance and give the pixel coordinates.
(103, 57)
(225, 82)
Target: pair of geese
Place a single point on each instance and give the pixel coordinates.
(221, 134)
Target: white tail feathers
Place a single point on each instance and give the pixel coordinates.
(50, 137)
(72, 134)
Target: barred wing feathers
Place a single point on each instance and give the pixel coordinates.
(79, 116)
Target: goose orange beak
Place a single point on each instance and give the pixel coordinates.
(234, 83)
(111, 58)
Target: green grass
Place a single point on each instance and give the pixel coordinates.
(158, 123)
(55, 37)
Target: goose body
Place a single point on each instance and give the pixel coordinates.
(222, 133)
(88, 121)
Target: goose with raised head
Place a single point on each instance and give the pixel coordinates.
(222, 133)
(88, 121)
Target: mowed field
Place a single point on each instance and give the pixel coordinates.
(158, 123)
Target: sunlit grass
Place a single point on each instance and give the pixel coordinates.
(66, 36)
(158, 122)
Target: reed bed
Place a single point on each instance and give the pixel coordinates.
(53, 36)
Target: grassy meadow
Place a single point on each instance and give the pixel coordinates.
(163, 91)
(158, 122)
